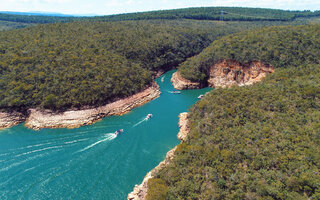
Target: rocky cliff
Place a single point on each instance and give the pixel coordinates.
(227, 73)
(10, 119)
(181, 83)
(140, 191)
(74, 118)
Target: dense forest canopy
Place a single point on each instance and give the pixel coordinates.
(254, 142)
(201, 13)
(278, 46)
(65, 65)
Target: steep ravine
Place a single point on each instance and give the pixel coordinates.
(140, 191)
(227, 73)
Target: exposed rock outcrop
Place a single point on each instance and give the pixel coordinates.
(140, 191)
(228, 73)
(75, 118)
(8, 120)
(181, 83)
(184, 126)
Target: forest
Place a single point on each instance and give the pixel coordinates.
(278, 46)
(71, 65)
(255, 142)
(201, 13)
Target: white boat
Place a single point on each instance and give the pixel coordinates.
(162, 79)
(200, 96)
(149, 116)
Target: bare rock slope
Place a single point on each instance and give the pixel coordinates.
(75, 118)
(227, 73)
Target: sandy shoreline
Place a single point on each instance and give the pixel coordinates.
(38, 119)
(140, 191)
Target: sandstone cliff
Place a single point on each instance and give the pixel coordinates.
(181, 83)
(8, 120)
(75, 118)
(140, 191)
(229, 73)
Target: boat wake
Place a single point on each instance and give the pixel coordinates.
(141, 121)
(107, 137)
(162, 79)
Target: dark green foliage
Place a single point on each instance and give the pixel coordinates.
(202, 13)
(215, 13)
(257, 142)
(35, 18)
(7, 25)
(59, 66)
(158, 189)
(278, 46)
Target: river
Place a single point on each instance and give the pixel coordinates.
(90, 162)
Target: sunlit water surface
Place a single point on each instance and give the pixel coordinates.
(91, 162)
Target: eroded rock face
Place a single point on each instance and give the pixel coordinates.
(181, 83)
(228, 73)
(75, 118)
(8, 120)
(184, 126)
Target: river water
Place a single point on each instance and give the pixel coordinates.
(90, 162)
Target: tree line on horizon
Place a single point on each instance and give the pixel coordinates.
(200, 13)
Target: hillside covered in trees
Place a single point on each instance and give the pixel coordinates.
(201, 13)
(60, 66)
(278, 46)
(255, 142)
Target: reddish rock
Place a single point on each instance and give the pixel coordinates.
(228, 73)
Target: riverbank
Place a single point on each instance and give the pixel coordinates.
(140, 191)
(8, 120)
(38, 119)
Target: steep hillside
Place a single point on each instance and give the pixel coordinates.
(59, 66)
(256, 142)
(276, 46)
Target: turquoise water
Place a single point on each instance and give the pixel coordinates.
(91, 162)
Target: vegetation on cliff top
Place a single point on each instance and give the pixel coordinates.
(59, 66)
(257, 142)
(278, 46)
